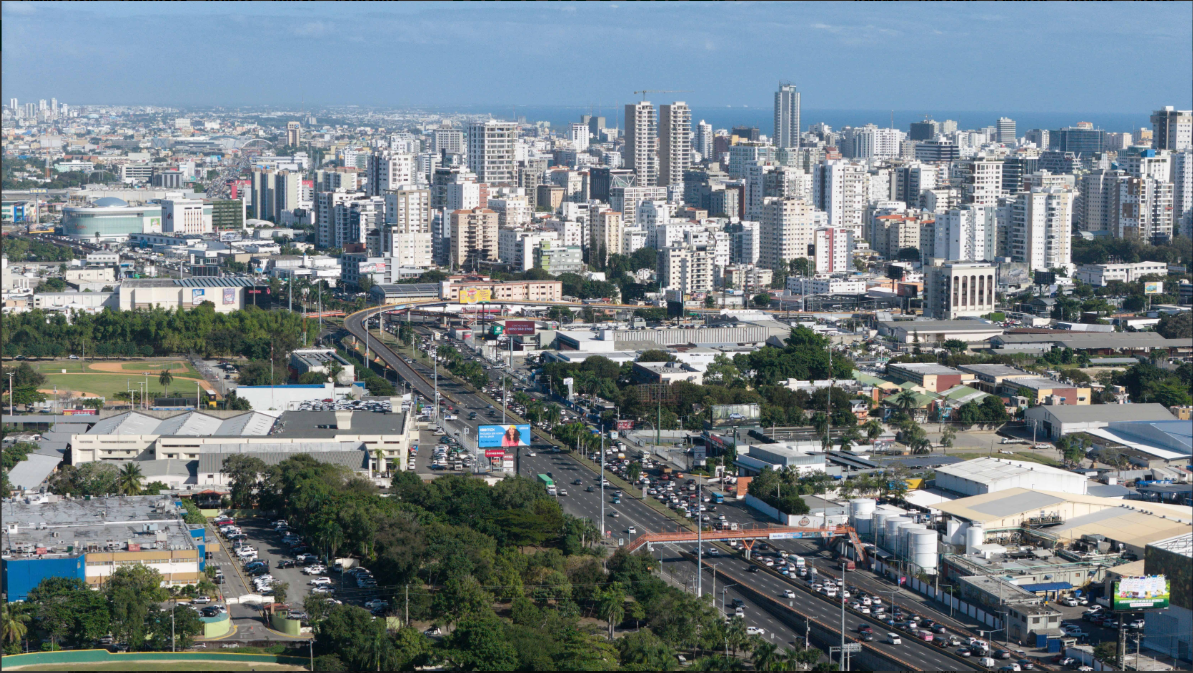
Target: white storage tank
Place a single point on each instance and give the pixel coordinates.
(878, 528)
(974, 537)
(901, 533)
(889, 537)
(923, 545)
(861, 514)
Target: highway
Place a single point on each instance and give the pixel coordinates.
(633, 512)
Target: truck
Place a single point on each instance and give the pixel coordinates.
(548, 483)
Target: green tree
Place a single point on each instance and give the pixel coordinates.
(13, 624)
(480, 645)
(611, 606)
(243, 472)
(131, 592)
(873, 429)
(762, 299)
(955, 345)
(948, 437)
(130, 479)
(165, 379)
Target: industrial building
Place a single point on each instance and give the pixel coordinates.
(939, 331)
(931, 377)
(321, 361)
(135, 435)
(1156, 443)
(225, 294)
(49, 536)
(990, 475)
(1055, 421)
(1170, 632)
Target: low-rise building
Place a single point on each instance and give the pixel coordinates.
(989, 475)
(932, 377)
(473, 290)
(48, 536)
(666, 372)
(1055, 421)
(1099, 275)
(1040, 390)
(322, 361)
(939, 331)
(226, 294)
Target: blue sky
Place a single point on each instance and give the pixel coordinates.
(1109, 57)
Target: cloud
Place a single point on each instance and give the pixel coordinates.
(314, 29)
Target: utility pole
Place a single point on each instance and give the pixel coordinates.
(699, 544)
(407, 619)
(841, 597)
(828, 419)
(11, 397)
(602, 483)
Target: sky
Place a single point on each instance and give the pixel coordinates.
(1039, 57)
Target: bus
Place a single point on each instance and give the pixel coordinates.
(718, 499)
(548, 483)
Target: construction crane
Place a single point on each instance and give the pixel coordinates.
(646, 91)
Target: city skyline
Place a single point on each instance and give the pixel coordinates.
(905, 56)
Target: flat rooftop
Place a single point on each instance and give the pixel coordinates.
(99, 524)
(995, 371)
(307, 424)
(942, 326)
(924, 368)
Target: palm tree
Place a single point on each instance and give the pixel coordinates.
(129, 481)
(380, 455)
(378, 648)
(905, 400)
(554, 415)
(766, 656)
(12, 624)
(611, 607)
(165, 378)
(873, 429)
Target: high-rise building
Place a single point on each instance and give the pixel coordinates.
(641, 143)
(743, 242)
(1143, 210)
(184, 216)
(1097, 191)
(702, 142)
(925, 130)
(327, 234)
(1041, 227)
(1006, 130)
(448, 141)
(1038, 137)
(12, 105)
(839, 189)
(408, 209)
(362, 218)
(1082, 139)
(578, 135)
(388, 171)
(275, 192)
(473, 238)
(675, 145)
(1182, 184)
(962, 234)
(1172, 129)
(833, 250)
(870, 141)
(787, 121)
(958, 289)
(981, 181)
(785, 231)
(293, 134)
(491, 152)
(606, 235)
(686, 268)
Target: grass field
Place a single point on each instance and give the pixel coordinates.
(105, 378)
(162, 666)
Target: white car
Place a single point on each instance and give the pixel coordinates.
(321, 590)
(377, 603)
(788, 593)
(314, 570)
(246, 550)
(320, 581)
(755, 631)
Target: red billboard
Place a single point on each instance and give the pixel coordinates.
(494, 453)
(519, 327)
(625, 425)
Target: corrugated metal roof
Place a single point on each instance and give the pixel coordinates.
(1015, 503)
(1046, 586)
(29, 473)
(233, 281)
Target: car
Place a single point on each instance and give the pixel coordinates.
(615, 514)
(1026, 665)
(866, 637)
(200, 600)
(965, 652)
(287, 564)
(322, 589)
(632, 530)
(755, 631)
(753, 569)
(377, 603)
(1001, 654)
(563, 491)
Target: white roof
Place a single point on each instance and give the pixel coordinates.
(191, 423)
(986, 470)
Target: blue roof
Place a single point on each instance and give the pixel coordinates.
(1046, 586)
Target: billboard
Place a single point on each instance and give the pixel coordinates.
(735, 414)
(1153, 287)
(519, 327)
(197, 296)
(229, 295)
(501, 436)
(474, 295)
(1141, 593)
(494, 453)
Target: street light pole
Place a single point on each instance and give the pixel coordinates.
(841, 595)
(699, 546)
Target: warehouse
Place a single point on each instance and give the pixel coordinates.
(49, 536)
(989, 475)
(939, 331)
(931, 377)
(1056, 421)
(138, 436)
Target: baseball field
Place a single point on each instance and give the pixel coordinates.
(84, 378)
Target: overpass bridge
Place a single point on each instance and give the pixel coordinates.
(750, 535)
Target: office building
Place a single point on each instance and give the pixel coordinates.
(958, 289)
(787, 121)
(675, 146)
(641, 143)
(925, 130)
(556, 259)
(1172, 129)
(228, 214)
(833, 250)
(448, 141)
(293, 134)
(937, 150)
(1006, 131)
(388, 171)
(1041, 224)
(185, 216)
(786, 231)
(1082, 139)
(491, 152)
(473, 238)
(839, 189)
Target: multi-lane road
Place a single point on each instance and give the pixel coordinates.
(644, 518)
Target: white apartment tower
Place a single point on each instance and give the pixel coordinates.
(686, 268)
(833, 250)
(388, 171)
(1172, 129)
(675, 145)
(641, 140)
(1006, 130)
(1143, 210)
(702, 142)
(961, 234)
(981, 181)
(785, 231)
(491, 152)
(787, 123)
(839, 189)
(1041, 228)
(578, 135)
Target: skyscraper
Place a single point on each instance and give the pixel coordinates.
(675, 147)
(1041, 228)
(491, 151)
(785, 231)
(1172, 129)
(787, 124)
(1006, 130)
(641, 138)
(293, 133)
(388, 171)
(839, 189)
(702, 143)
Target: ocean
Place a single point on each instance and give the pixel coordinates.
(727, 117)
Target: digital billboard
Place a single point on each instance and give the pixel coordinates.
(502, 436)
(474, 295)
(519, 327)
(735, 414)
(1153, 287)
(1141, 593)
